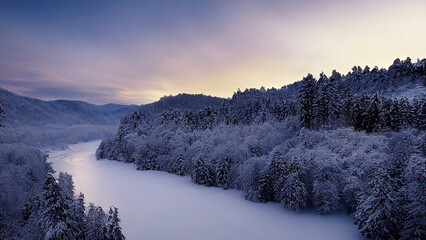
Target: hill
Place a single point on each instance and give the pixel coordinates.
(26, 111)
(351, 143)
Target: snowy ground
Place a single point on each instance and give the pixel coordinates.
(157, 205)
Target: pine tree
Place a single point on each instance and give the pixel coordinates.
(78, 216)
(385, 115)
(222, 173)
(66, 185)
(54, 214)
(113, 229)
(325, 193)
(372, 120)
(251, 181)
(265, 192)
(402, 150)
(353, 192)
(202, 173)
(327, 105)
(307, 96)
(358, 112)
(404, 106)
(293, 192)
(335, 104)
(414, 224)
(346, 110)
(395, 121)
(418, 113)
(76, 220)
(376, 215)
(31, 218)
(276, 174)
(96, 223)
(322, 102)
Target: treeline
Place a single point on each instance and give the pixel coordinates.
(297, 146)
(322, 105)
(257, 105)
(326, 103)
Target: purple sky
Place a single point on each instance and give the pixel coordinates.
(138, 51)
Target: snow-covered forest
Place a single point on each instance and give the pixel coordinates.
(36, 205)
(353, 143)
(158, 205)
(35, 201)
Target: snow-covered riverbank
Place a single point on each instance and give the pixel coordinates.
(157, 205)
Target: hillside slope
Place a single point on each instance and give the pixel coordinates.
(351, 142)
(26, 111)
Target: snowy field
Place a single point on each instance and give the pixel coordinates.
(157, 205)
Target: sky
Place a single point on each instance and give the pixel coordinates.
(135, 52)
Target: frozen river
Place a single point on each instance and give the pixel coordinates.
(156, 205)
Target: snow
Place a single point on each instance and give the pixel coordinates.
(157, 205)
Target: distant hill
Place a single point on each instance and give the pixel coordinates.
(26, 111)
(183, 101)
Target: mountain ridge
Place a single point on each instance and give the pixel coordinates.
(27, 111)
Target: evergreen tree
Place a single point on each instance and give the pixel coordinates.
(265, 192)
(325, 193)
(346, 110)
(327, 104)
(66, 185)
(358, 112)
(414, 224)
(418, 113)
(395, 121)
(202, 173)
(276, 174)
(54, 214)
(293, 192)
(113, 229)
(222, 173)
(335, 104)
(372, 119)
(78, 220)
(353, 192)
(402, 149)
(322, 102)
(96, 223)
(404, 107)
(250, 184)
(307, 96)
(385, 115)
(376, 215)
